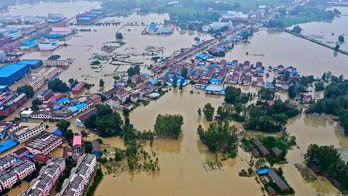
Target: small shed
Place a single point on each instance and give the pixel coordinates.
(264, 151)
(255, 153)
(270, 191)
(257, 142)
(277, 152)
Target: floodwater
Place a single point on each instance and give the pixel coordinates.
(181, 160)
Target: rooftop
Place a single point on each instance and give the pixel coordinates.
(10, 69)
(43, 141)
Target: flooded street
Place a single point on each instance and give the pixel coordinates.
(180, 161)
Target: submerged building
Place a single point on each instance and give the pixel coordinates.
(11, 73)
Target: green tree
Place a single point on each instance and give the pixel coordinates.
(63, 125)
(57, 85)
(184, 72)
(297, 29)
(208, 111)
(119, 35)
(175, 79)
(133, 70)
(26, 89)
(341, 38)
(220, 137)
(168, 125)
(101, 83)
(232, 95)
(292, 92)
(199, 111)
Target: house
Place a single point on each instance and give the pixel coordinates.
(77, 148)
(277, 180)
(134, 97)
(257, 142)
(123, 95)
(264, 150)
(271, 191)
(136, 78)
(95, 98)
(21, 152)
(255, 153)
(96, 148)
(277, 152)
(80, 120)
(78, 88)
(41, 158)
(307, 99)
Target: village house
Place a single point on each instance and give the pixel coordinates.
(78, 148)
(135, 79)
(80, 120)
(264, 150)
(123, 96)
(278, 180)
(78, 88)
(21, 152)
(277, 152)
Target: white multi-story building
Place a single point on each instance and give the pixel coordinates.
(24, 131)
(47, 178)
(7, 162)
(44, 144)
(2, 55)
(80, 176)
(48, 45)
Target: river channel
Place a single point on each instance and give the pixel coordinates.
(181, 160)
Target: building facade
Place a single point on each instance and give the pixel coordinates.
(44, 144)
(24, 131)
(80, 176)
(47, 178)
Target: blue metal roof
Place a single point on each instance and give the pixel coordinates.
(29, 61)
(262, 171)
(7, 145)
(63, 100)
(57, 132)
(10, 69)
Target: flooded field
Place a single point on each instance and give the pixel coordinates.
(181, 161)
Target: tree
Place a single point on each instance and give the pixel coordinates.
(184, 72)
(68, 134)
(199, 111)
(63, 125)
(220, 137)
(101, 83)
(169, 125)
(133, 70)
(292, 92)
(73, 82)
(208, 111)
(26, 89)
(119, 35)
(125, 112)
(341, 38)
(57, 85)
(232, 95)
(297, 29)
(175, 79)
(337, 47)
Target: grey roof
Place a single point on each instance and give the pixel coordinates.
(6, 159)
(43, 141)
(95, 145)
(277, 179)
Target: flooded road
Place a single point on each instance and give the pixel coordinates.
(181, 160)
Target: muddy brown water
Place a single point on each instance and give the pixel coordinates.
(181, 160)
